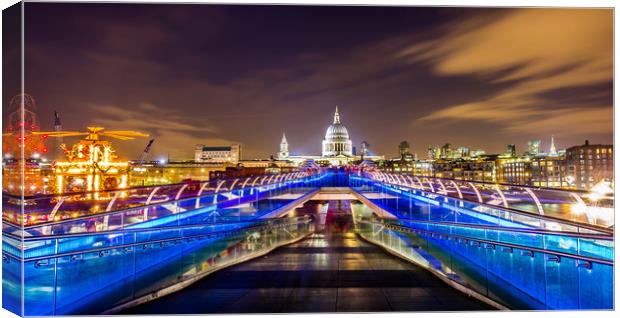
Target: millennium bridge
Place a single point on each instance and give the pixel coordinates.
(316, 240)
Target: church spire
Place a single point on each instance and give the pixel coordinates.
(552, 150)
(283, 154)
(336, 116)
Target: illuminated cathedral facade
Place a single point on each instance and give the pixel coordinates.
(337, 147)
(337, 142)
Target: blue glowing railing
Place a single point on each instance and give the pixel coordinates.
(160, 237)
(111, 269)
(216, 206)
(515, 258)
(589, 208)
(589, 247)
(95, 260)
(52, 208)
(515, 276)
(441, 207)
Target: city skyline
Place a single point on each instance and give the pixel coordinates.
(215, 74)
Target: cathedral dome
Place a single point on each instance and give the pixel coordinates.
(337, 132)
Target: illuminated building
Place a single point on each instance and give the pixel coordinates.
(337, 148)
(423, 168)
(587, 165)
(155, 172)
(514, 171)
(462, 152)
(533, 148)
(579, 167)
(548, 172)
(433, 153)
(337, 142)
(249, 168)
(364, 147)
(511, 151)
(218, 154)
(37, 177)
(92, 164)
(479, 169)
(477, 153)
(404, 161)
(403, 151)
(283, 154)
(446, 151)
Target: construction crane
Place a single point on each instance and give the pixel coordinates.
(145, 153)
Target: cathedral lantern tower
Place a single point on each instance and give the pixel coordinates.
(337, 142)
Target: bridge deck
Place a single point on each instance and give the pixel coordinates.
(333, 270)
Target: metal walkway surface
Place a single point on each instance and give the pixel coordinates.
(332, 270)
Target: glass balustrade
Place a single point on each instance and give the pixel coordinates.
(88, 274)
(586, 207)
(139, 242)
(513, 275)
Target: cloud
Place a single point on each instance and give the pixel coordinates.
(167, 144)
(175, 135)
(147, 117)
(535, 52)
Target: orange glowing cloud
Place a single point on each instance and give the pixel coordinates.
(535, 52)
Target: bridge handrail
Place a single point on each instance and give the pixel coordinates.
(177, 184)
(146, 206)
(573, 192)
(131, 230)
(493, 243)
(300, 220)
(142, 207)
(580, 191)
(604, 237)
(509, 209)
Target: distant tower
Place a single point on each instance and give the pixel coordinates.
(511, 150)
(403, 148)
(57, 128)
(283, 148)
(533, 147)
(365, 149)
(552, 150)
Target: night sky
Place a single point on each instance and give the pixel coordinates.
(217, 74)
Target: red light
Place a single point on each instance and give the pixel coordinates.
(45, 150)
